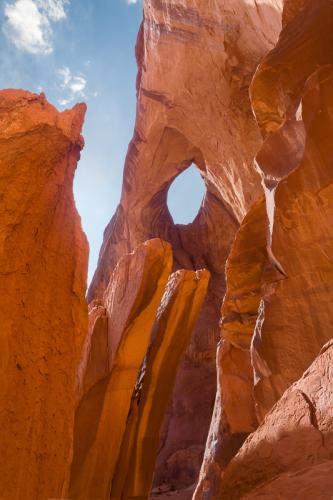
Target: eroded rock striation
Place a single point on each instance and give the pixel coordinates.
(175, 319)
(43, 312)
(131, 301)
(137, 335)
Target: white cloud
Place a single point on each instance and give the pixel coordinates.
(53, 9)
(28, 23)
(64, 102)
(73, 86)
(65, 74)
(132, 2)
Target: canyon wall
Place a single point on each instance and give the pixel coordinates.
(277, 311)
(196, 60)
(291, 453)
(43, 312)
(114, 399)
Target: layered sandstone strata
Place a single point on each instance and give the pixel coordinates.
(196, 60)
(43, 313)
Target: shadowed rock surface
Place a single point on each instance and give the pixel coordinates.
(296, 436)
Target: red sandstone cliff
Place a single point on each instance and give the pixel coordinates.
(277, 311)
(196, 60)
(43, 313)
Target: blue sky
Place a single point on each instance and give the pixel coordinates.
(83, 50)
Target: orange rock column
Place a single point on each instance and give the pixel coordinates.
(131, 301)
(43, 313)
(234, 414)
(176, 317)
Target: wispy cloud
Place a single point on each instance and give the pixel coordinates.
(131, 2)
(73, 86)
(53, 9)
(29, 23)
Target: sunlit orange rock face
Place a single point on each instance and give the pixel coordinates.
(129, 364)
(110, 372)
(43, 313)
(196, 60)
(297, 187)
(280, 267)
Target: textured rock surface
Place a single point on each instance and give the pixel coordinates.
(129, 364)
(196, 60)
(295, 436)
(131, 301)
(291, 279)
(177, 314)
(43, 314)
(300, 207)
(307, 484)
(234, 414)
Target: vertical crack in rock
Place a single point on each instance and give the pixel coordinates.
(178, 312)
(260, 367)
(131, 300)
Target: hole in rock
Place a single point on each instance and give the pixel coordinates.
(185, 195)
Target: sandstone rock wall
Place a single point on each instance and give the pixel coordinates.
(131, 299)
(43, 313)
(175, 319)
(291, 452)
(297, 184)
(137, 335)
(279, 264)
(196, 60)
